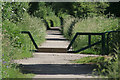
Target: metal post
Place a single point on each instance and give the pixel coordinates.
(107, 43)
(72, 41)
(89, 40)
(27, 32)
(103, 44)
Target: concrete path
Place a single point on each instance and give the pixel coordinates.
(52, 58)
(55, 42)
(56, 65)
(54, 39)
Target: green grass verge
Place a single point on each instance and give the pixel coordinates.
(89, 59)
(107, 66)
(12, 72)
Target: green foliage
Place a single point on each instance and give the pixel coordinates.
(90, 60)
(35, 26)
(42, 10)
(16, 45)
(14, 11)
(62, 7)
(95, 24)
(66, 25)
(54, 19)
(80, 9)
(113, 9)
(15, 19)
(45, 12)
(109, 68)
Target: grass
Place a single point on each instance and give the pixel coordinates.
(52, 19)
(91, 24)
(17, 46)
(13, 72)
(55, 19)
(66, 25)
(107, 66)
(89, 51)
(90, 60)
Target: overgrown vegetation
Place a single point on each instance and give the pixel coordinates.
(74, 17)
(81, 9)
(16, 45)
(92, 20)
(107, 66)
(95, 24)
(44, 11)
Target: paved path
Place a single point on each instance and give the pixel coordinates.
(56, 65)
(54, 39)
(52, 58)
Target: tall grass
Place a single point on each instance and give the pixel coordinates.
(54, 19)
(91, 24)
(66, 25)
(110, 67)
(16, 45)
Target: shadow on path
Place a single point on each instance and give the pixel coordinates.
(58, 68)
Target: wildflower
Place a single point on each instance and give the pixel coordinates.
(24, 9)
(7, 66)
(4, 62)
